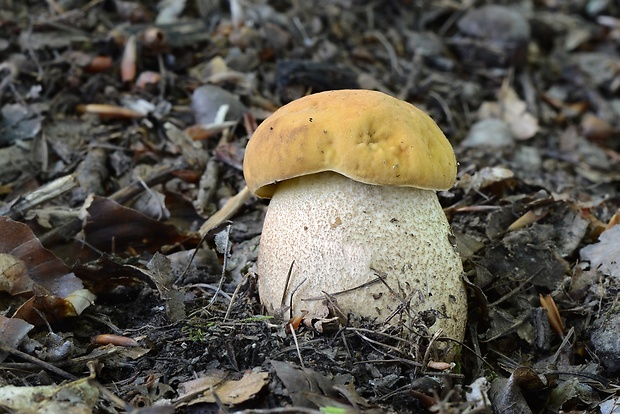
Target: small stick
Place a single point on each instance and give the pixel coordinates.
(42, 194)
(226, 212)
(290, 326)
(226, 253)
(288, 279)
(37, 361)
(234, 295)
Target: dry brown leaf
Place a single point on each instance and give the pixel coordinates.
(507, 394)
(111, 227)
(26, 268)
(302, 382)
(78, 397)
(40, 309)
(46, 271)
(229, 392)
(212, 378)
(596, 129)
(12, 331)
(80, 300)
(14, 277)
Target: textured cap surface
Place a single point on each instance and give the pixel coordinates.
(367, 136)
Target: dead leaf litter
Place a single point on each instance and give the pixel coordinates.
(128, 239)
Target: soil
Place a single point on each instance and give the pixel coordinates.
(123, 128)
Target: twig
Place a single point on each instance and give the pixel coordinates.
(390, 347)
(234, 295)
(152, 193)
(37, 361)
(342, 292)
(42, 194)
(290, 326)
(288, 279)
(345, 342)
(292, 293)
(515, 290)
(159, 175)
(391, 53)
(68, 230)
(385, 335)
(110, 396)
(308, 42)
(444, 106)
(427, 353)
(210, 287)
(218, 401)
(226, 212)
(565, 341)
(226, 253)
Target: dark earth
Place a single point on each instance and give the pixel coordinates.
(122, 130)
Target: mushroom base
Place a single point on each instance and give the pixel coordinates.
(342, 235)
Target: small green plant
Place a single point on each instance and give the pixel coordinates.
(194, 334)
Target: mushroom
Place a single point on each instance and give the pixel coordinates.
(352, 176)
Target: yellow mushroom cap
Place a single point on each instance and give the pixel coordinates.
(367, 136)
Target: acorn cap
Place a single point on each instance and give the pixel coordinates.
(367, 136)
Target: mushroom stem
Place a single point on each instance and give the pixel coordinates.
(342, 234)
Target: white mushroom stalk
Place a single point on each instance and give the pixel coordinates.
(352, 176)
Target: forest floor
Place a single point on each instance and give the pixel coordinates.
(122, 130)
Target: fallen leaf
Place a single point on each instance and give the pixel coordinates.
(28, 269)
(513, 111)
(40, 309)
(611, 406)
(228, 391)
(78, 397)
(507, 394)
(603, 256)
(12, 331)
(18, 122)
(111, 227)
(486, 177)
(43, 267)
(299, 382)
(14, 277)
(570, 391)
